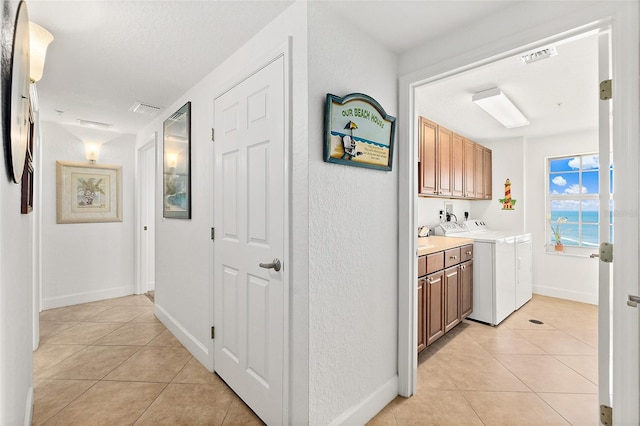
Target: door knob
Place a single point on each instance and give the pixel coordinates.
(275, 265)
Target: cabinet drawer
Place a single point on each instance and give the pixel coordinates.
(451, 257)
(466, 253)
(422, 266)
(435, 262)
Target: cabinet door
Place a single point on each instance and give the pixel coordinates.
(427, 179)
(488, 181)
(422, 321)
(479, 170)
(435, 295)
(466, 289)
(444, 148)
(469, 169)
(451, 302)
(457, 166)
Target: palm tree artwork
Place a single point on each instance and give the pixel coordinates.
(87, 191)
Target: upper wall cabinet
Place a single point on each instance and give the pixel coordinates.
(451, 166)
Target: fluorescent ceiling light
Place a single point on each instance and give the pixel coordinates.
(500, 107)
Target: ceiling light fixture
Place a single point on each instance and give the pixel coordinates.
(500, 107)
(94, 124)
(538, 55)
(39, 40)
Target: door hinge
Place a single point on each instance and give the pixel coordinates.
(213, 332)
(213, 233)
(605, 90)
(213, 134)
(606, 415)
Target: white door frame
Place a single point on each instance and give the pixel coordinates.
(623, 18)
(141, 199)
(283, 51)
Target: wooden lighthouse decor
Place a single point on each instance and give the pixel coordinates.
(507, 201)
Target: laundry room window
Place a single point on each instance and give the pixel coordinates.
(573, 200)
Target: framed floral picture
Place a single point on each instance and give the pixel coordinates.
(88, 193)
(176, 188)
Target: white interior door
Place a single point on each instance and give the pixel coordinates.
(249, 221)
(605, 272)
(147, 160)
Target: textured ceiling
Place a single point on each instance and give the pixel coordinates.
(109, 54)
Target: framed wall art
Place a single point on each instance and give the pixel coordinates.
(176, 192)
(358, 132)
(88, 193)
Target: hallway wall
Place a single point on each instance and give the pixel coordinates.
(83, 262)
(353, 234)
(16, 313)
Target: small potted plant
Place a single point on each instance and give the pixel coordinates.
(555, 229)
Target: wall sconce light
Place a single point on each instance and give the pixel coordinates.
(172, 160)
(500, 107)
(39, 40)
(92, 150)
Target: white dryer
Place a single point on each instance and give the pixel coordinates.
(501, 268)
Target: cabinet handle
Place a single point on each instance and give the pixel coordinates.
(453, 257)
(468, 253)
(463, 267)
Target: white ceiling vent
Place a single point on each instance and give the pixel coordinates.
(539, 55)
(142, 108)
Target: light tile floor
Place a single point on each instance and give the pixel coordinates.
(113, 363)
(517, 373)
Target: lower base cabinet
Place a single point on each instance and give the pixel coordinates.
(445, 296)
(435, 320)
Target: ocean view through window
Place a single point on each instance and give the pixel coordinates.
(573, 199)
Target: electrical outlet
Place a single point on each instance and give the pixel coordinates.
(448, 208)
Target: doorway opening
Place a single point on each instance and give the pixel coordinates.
(420, 101)
(146, 217)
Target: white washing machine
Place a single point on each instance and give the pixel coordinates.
(502, 279)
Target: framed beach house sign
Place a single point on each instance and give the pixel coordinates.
(358, 132)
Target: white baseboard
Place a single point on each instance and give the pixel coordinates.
(28, 414)
(90, 296)
(188, 340)
(361, 413)
(576, 296)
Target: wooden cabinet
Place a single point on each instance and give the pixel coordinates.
(469, 170)
(434, 307)
(445, 145)
(451, 166)
(466, 289)
(451, 313)
(427, 155)
(445, 292)
(479, 171)
(422, 309)
(457, 166)
(487, 170)
(435, 153)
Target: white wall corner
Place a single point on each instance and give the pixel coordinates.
(193, 345)
(364, 411)
(28, 414)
